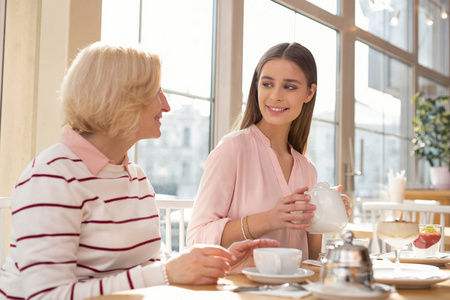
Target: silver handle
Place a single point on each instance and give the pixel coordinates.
(349, 171)
(352, 171)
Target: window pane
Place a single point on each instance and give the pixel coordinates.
(266, 23)
(369, 185)
(389, 20)
(322, 150)
(433, 41)
(180, 31)
(383, 112)
(329, 5)
(324, 51)
(174, 162)
(431, 88)
(125, 31)
(382, 92)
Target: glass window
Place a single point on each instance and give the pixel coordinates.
(431, 88)
(185, 52)
(181, 33)
(382, 118)
(266, 23)
(329, 5)
(433, 40)
(125, 31)
(286, 26)
(324, 126)
(388, 20)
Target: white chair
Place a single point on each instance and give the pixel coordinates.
(408, 211)
(5, 204)
(171, 217)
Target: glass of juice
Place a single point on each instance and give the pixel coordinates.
(428, 242)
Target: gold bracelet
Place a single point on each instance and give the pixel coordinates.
(242, 228)
(248, 229)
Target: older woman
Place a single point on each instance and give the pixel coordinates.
(84, 217)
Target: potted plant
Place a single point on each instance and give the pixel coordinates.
(431, 140)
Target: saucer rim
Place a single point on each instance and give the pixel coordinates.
(254, 271)
(317, 291)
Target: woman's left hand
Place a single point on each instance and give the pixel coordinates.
(244, 253)
(347, 202)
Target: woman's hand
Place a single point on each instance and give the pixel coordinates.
(243, 251)
(201, 264)
(288, 213)
(347, 202)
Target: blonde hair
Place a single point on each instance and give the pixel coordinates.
(300, 127)
(106, 86)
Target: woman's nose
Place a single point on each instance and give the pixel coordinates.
(277, 95)
(164, 103)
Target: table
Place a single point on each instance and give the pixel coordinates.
(443, 196)
(187, 292)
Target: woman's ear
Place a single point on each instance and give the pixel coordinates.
(311, 92)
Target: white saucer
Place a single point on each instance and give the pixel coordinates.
(408, 257)
(337, 292)
(299, 276)
(413, 276)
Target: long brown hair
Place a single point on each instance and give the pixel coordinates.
(299, 132)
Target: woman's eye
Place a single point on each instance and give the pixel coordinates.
(266, 84)
(290, 87)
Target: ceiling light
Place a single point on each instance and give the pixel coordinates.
(444, 14)
(429, 21)
(394, 20)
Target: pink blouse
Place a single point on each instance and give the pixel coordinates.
(243, 177)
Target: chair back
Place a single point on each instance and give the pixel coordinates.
(5, 204)
(175, 210)
(415, 211)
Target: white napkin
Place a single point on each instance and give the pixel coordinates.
(288, 291)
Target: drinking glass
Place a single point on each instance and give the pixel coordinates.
(397, 234)
(428, 242)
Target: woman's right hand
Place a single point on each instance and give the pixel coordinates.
(289, 214)
(200, 264)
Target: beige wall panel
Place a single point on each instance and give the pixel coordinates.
(84, 25)
(19, 90)
(52, 67)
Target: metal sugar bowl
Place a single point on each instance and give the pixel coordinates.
(347, 263)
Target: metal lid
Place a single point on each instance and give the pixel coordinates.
(349, 254)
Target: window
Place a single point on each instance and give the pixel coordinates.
(433, 40)
(181, 33)
(388, 20)
(383, 113)
(289, 26)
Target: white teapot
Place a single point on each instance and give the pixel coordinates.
(330, 215)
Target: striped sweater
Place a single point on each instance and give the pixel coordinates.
(78, 235)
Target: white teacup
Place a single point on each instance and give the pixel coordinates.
(277, 261)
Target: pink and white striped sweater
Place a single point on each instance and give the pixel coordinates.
(77, 234)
